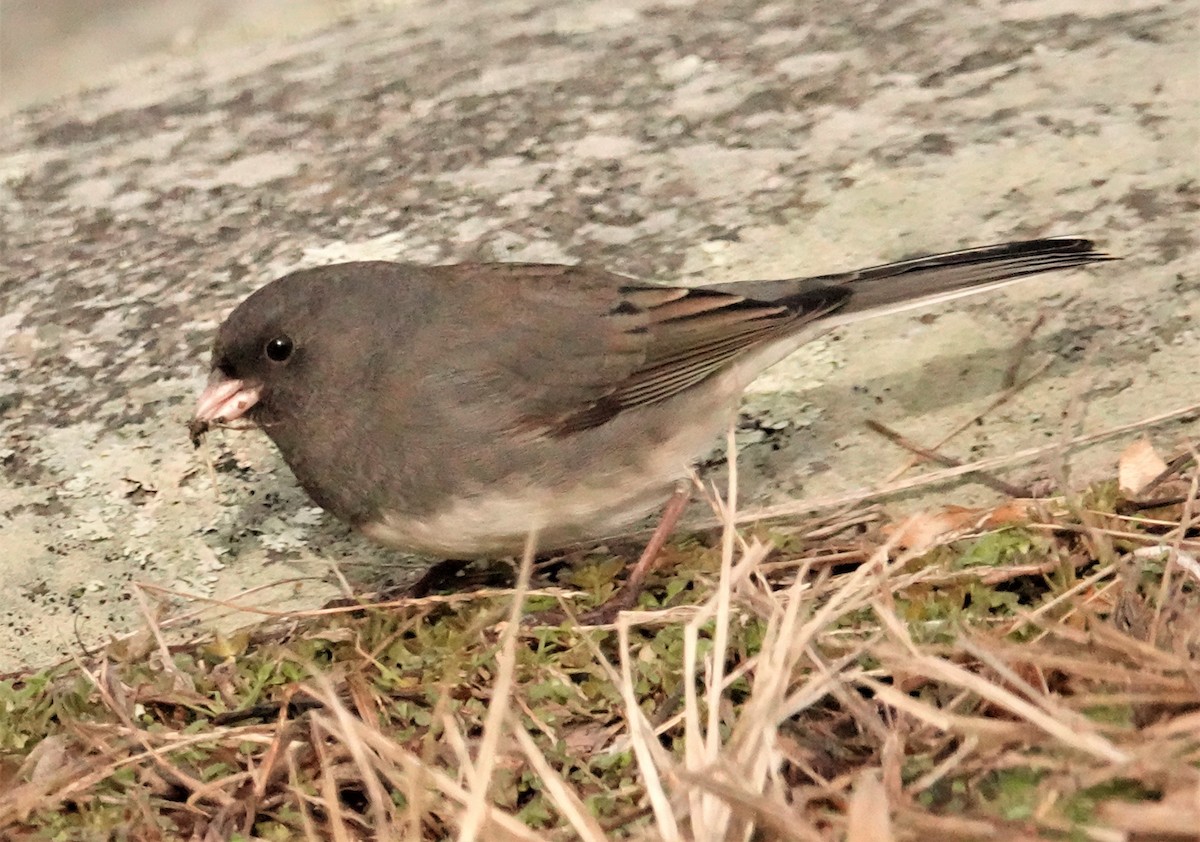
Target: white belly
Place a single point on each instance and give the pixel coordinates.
(498, 523)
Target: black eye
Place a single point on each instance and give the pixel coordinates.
(279, 349)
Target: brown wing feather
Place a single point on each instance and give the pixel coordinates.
(690, 334)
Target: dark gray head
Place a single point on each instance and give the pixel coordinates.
(313, 332)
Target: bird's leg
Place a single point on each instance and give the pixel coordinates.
(626, 597)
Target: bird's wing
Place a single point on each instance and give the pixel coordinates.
(582, 345)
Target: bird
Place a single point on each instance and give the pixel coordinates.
(453, 410)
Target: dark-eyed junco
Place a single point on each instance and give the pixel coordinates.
(450, 410)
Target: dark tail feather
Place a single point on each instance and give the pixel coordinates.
(929, 280)
(941, 277)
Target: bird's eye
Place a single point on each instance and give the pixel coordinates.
(279, 349)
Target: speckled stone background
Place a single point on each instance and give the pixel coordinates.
(665, 139)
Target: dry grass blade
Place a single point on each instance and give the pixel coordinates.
(867, 818)
(480, 775)
(1069, 729)
(710, 816)
(769, 815)
(645, 744)
(397, 764)
(569, 804)
(344, 727)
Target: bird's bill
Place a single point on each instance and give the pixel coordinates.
(223, 400)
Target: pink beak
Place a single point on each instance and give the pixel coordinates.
(224, 400)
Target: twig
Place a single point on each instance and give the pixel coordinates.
(1185, 522)
(1021, 350)
(479, 776)
(994, 483)
(999, 401)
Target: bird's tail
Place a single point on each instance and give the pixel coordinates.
(922, 281)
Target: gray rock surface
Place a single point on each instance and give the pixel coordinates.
(661, 138)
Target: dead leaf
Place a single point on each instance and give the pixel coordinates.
(926, 529)
(1138, 466)
(1006, 514)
